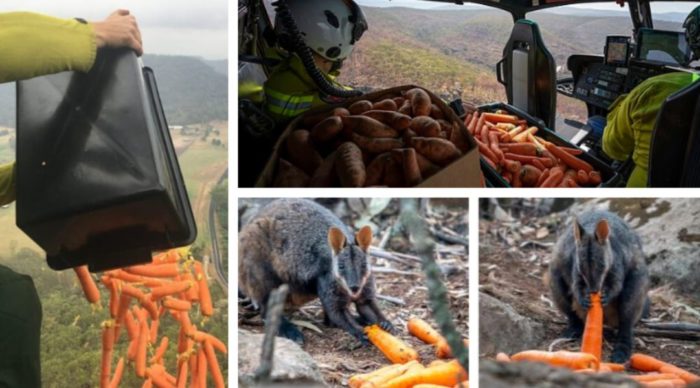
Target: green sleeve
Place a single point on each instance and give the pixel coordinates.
(618, 136)
(7, 183)
(33, 45)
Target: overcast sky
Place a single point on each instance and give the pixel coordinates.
(176, 27)
(674, 6)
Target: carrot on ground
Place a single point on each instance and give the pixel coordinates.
(87, 283)
(379, 380)
(393, 348)
(670, 383)
(562, 358)
(592, 341)
(356, 381)
(423, 331)
(613, 366)
(647, 363)
(443, 350)
(447, 374)
(502, 357)
(653, 377)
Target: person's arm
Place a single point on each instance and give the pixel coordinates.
(32, 45)
(7, 183)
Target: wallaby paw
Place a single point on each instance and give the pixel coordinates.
(387, 326)
(620, 354)
(604, 298)
(364, 340)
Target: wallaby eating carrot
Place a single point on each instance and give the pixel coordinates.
(303, 244)
(599, 252)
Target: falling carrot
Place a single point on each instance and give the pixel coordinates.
(136, 279)
(160, 351)
(205, 304)
(201, 336)
(118, 372)
(393, 348)
(147, 384)
(166, 270)
(113, 299)
(170, 289)
(182, 375)
(592, 341)
(107, 348)
(141, 349)
(562, 358)
(201, 368)
(177, 304)
(87, 283)
(153, 331)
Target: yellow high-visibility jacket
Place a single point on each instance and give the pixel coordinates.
(632, 119)
(290, 91)
(32, 45)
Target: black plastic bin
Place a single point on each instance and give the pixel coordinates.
(98, 180)
(609, 176)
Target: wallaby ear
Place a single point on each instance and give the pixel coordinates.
(578, 230)
(336, 239)
(602, 231)
(364, 238)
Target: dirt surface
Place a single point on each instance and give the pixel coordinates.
(513, 259)
(338, 354)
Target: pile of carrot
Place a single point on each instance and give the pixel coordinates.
(406, 371)
(524, 159)
(140, 297)
(588, 360)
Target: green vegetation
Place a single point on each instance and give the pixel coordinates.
(220, 197)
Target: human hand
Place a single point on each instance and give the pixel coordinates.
(119, 29)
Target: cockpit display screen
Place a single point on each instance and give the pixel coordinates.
(666, 47)
(617, 50)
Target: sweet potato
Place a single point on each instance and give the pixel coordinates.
(326, 130)
(387, 104)
(376, 169)
(438, 151)
(393, 174)
(396, 120)
(301, 152)
(420, 101)
(425, 126)
(399, 101)
(406, 108)
(376, 145)
(367, 126)
(411, 169)
(359, 107)
(289, 176)
(446, 127)
(349, 165)
(426, 167)
(325, 176)
(436, 112)
(408, 135)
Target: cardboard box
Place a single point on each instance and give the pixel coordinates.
(463, 172)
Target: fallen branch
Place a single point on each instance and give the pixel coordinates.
(382, 254)
(673, 326)
(673, 334)
(393, 271)
(448, 238)
(391, 299)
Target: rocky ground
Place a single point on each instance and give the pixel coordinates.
(516, 312)
(330, 355)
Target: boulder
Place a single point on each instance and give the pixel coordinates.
(502, 328)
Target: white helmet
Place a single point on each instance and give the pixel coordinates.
(328, 27)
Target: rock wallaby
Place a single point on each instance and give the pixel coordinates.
(599, 252)
(302, 244)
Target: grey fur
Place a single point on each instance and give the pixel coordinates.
(614, 266)
(287, 242)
